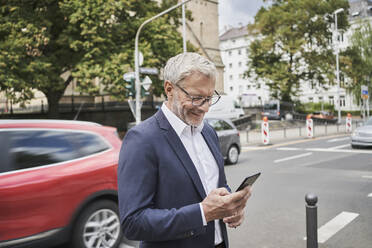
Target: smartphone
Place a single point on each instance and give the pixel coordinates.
(248, 181)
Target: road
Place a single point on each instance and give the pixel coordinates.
(341, 177)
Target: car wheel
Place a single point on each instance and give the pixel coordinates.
(232, 155)
(98, 226)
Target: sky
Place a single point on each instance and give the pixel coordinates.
(233, 12)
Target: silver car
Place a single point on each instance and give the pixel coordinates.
(229, 138)
(362, 136)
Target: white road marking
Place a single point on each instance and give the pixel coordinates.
(293, 157)
(126, 246)
(333, 226)
(370, 195)
(341, 146)
(335, 150)
(288, 149)
(369, 177)
(338, 139)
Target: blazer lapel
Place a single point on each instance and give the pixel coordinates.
(176, 144)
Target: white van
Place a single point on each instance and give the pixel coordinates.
(225, 108)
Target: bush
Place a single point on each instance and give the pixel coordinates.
(311, 107)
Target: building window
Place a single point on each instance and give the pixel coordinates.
(331, 100)
(258, 86)
(231, 88)
(320, 99)
(230, 53)
(247, 50)
(233, 41)
(248, 87)
(231, 77)
(239, 52)
(240, 64)
(342, 101)
(311, 99)
(230, 65)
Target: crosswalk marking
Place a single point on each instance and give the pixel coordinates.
(288, 149)
(368, 177)
(293, 157)
(340, 146)
(370, 195)
(329, 229)
(338, 139)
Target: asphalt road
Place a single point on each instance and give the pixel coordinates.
(341, 177)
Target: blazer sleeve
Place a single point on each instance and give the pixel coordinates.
(137, 183)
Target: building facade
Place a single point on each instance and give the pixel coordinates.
(234, 45)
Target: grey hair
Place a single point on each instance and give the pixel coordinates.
(183, 65)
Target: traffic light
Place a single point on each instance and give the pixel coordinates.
(131, 88)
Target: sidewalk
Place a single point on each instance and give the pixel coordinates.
(254, 137)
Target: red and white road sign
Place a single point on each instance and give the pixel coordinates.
(349, 123)
(309, 127)
(265, 131)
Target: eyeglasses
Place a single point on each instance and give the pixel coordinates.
(199, 101)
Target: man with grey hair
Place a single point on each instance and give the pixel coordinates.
(171, 180)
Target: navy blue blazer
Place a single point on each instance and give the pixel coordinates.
(160, 189)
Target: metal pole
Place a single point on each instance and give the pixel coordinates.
(311, 221)
(337, 67)
(136, 60)
(184, 27)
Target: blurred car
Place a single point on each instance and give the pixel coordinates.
(323, 116)
(228, 137)
(58, 184)
(362, 136)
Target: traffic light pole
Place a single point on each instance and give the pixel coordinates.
(136, 60)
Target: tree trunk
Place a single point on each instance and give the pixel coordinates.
(53, 96)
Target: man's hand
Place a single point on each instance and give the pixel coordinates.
(220, 204)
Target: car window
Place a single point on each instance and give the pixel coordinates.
(369, 122)
(36, 148)
(220, 125)
(89, 143)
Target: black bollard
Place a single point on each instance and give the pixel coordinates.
(311, 221)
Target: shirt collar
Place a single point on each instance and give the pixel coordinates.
(178, 125)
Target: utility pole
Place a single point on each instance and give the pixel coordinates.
(337, 67)
(136, 60)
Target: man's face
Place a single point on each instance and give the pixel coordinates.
(180, 103)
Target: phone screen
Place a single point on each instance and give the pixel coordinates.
(248, 181)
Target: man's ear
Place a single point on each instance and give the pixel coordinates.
(168, 88)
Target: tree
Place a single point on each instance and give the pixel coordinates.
(293, 45)
(45, 44)
(356, 60)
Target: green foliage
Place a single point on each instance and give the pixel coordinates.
(42, 39)
(293, 45)
(314, 107)
(356, 61)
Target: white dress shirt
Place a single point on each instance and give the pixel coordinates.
(200, 155)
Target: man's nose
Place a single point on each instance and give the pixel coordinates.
(205, 106)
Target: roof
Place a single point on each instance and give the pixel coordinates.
(46, 121)
(234, 33)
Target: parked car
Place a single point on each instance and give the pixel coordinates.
(362, 136)
(227, 108)
(58, 184)
(278, 110)
(228, 137)
(323, 116)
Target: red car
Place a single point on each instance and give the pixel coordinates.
(58, 183)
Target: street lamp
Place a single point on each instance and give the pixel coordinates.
(337, 66)
(136, 60)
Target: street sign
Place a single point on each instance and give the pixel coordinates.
(146, 83)
(129, 76)
(364, 89)
(149, 70)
